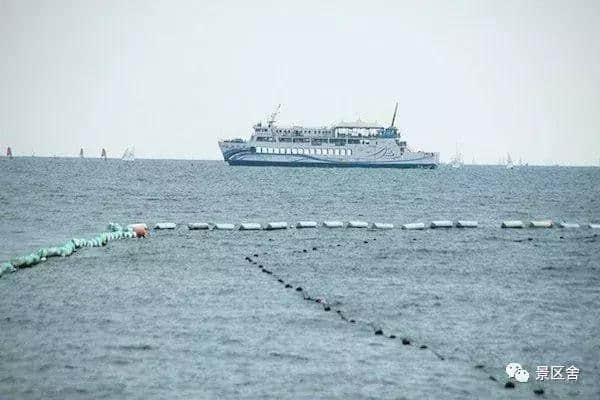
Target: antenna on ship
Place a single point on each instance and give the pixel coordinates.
(271, 120)
(394, 117)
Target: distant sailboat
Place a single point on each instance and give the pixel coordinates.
(103, 154)
(457, 160)
(129, 154)
(509, 163)
(81, 153)
(9, 153)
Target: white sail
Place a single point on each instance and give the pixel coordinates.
(509, 163)
(129, 154)
(457, 160)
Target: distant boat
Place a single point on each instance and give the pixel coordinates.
(509, 163)
(9, 153)
(81, 153)
(457, 160)
(129, 154)
(103, 154)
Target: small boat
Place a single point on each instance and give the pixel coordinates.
(129, 154)
(81, 153)
(509, 163)
(457, 160)
(9, 153)
(103, 154)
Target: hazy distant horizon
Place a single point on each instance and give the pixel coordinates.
(170, 78)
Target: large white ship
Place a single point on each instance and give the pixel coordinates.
(356, 144)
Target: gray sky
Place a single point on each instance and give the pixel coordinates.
(170, 77)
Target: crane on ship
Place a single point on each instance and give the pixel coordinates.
(273, 116)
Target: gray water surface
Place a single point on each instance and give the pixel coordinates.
(183, 314)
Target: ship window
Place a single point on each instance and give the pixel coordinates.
(276, 151)
(318, 151)
(330, 152)
(337, 152)
(343, 152)
(270, 150)
(294, 151)
(312, 151)
(288, 151)
(349, 152)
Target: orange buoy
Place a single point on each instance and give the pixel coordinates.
(140, 231)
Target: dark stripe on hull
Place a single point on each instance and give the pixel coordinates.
(252, 163)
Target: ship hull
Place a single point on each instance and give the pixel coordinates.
(330, 164)
(241, 155)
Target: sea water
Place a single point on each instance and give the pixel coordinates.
(184, 314)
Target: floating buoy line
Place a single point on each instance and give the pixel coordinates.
(376, 328)
(114, 232)
(327, 307)
(439, 224)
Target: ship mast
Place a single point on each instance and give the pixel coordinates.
(394, 117)
(273, 116)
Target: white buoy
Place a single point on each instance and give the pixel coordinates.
(306, 224)
(333, 224)
(512, 224)
(194, 226)
(224, 227)
(250, 226)
(568, 225)
(133, 226)
(414, 225)
(466, 224)
(540, 224)
(276, 225)
(441, 224)
(165, 225)
(594, 226)
(382, 225)
(357, 224)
